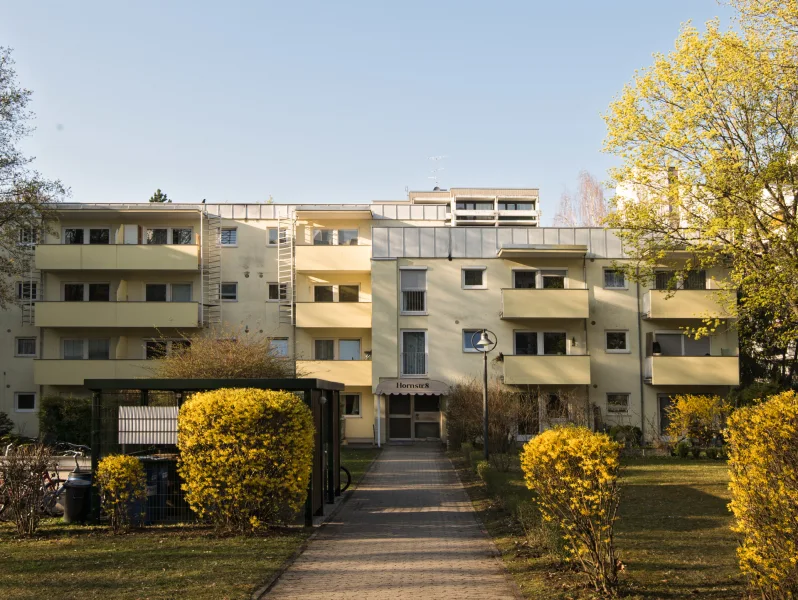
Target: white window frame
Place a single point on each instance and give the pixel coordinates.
(26, 410)
(411, 313)
(28, 236)
(337, 236)
(463, 340)
(684, 335)
(85, 285)
(85, 341)
(282, 294)
(618, 412)
(539, 276)
(325, 339)
(33, 290)
(359, 414)
(336, 289)
(525, 270)
(221, 286)
(269, 233)
(333, 236)
(625, 285)
(169, 289)
(402, 351)
(170, 236)
(482, 286)
(35, 346)
(280, 339)
(539, 335)
(221, 237)
(628, 344)
(86, 234)
(348, 339)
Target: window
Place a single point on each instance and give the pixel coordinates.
(473, 278)
(323, 293)
(73, 235)
(154, 349)
(470, 337)
(73, 349)
(617, 403)
(347, 237)
(554, 342)
(155, 292)
(553, 280)
(414, 291)
(616, 341)
(27, 290)
(99, 292)
(100, 236)
(679, 344)
(230, 291)
(505, 205)
(99, 349)
(182, 236)
(414, 352)
(229, 236)
(180, 345)
(348, 349)
(614, 279)
(324, 349)
(25, 347)
(348, 293)
(276, 236)
(73, 292)
(662, 280)
(24, 401)
(181, 292)
(28, 236)
(351, 404)
(87, 292)
(695, 280)
(157, 236)
(526, 343)
(474, 205)
(89, 349)
(280, 346)
(322, 237)
(524, 280)
(277, 291)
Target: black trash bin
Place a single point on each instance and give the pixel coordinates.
(77, 497)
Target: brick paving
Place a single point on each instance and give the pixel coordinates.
(408, 531)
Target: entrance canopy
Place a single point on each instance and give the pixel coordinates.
(423, 387)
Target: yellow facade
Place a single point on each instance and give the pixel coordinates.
(690, 304)
(547, 370)
(545, 304)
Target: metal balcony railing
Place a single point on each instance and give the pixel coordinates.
(414, 301)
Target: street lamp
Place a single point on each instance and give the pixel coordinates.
(487, 342)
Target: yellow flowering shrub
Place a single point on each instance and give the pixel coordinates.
(122, 484)
(696, 418)
(245, 456)
(763, 464)
(574, 474)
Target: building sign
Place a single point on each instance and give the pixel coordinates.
(426, 387)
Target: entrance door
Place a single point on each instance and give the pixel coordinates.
(400, 417)
(412, 417)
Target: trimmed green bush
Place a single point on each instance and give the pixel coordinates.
(65, 419)
(695, 451)
(6, 425)
(682, 449)
(712, 453)
(628, 435)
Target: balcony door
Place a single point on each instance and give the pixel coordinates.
(414, 353)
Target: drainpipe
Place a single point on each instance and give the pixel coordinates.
(586, 351)
(640, 357)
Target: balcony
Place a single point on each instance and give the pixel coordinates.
(546, 370)
(117, 257)
(334, 314)
(345, 259)
(348, 372)
(692, 370)
(544, 304)
(689, 304)
(117, 314)
(73, 372)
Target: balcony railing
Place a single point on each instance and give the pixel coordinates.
(117, 314)
(692, 370)
(545, 304)
(351, 259)
(689, 304)
(74, 372)
(414, 363)
(334, 314)
(348, 372)
(547, 369)
(414, 301)
(110, 257)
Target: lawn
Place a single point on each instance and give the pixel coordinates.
(673, 532)
(357, 460)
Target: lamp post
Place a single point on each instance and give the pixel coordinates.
(487, 342)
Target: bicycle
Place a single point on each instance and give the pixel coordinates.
(348, 479)
(54, 487)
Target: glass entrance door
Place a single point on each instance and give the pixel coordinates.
(412, 417)
(400, 417)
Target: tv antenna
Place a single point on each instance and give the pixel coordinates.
(438, 168)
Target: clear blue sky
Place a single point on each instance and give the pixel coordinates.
(327, 101)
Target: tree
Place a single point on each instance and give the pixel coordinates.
(587, 209)
(25, 196)
(707, 139)
(160, 197)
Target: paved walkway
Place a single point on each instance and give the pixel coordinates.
(407, 532)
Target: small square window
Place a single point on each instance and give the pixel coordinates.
(347, 237)
(181, 292)
(24, 401)
(323, 293)
(157, 236)
(524, 280)
(618, 403)
(348, 349)
(99, 292)
(229, 236)
(324, 349)
(99, 349)
(73, 235)
(617, 341)
(182, 236)
(25, 347)
(554, 342)
(73, 349)
(348, 293)
(230, 291)
(553, 280)
(28, 236)
(99, 236)
(155, 292)
(470, 337)
(614, 279)
(277, 291)
(280, 346)
(474, 278)
(73, 292)
(322, 237)
(351, 404)
(276, 236)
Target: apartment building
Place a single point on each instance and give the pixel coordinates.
(384, 297)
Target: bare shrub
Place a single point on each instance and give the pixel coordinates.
(22, 471)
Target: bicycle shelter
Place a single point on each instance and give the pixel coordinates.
(139, 417)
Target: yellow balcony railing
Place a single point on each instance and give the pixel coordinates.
(692, 370)
(73, 372)
(334, 314)
(689, 304)
(546, 370)
(348, 372)
(544, 304)
(117, 314)
(353, 259)
(120, 257)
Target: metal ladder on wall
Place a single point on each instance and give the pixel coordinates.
(286, 272)
(28, 300)
(211, 269)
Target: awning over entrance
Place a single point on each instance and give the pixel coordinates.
(423, 387)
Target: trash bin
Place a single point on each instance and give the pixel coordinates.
(77, 497)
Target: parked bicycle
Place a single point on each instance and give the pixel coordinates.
(345, 475)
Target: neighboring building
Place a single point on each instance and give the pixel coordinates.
(383, 297)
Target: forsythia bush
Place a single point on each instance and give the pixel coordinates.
(697, 418)
(763, 464)
(574, 473)
(122, 482)
(245, 456)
